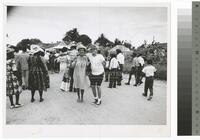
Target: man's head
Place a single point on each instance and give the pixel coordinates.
(149, 62)
(93, 49)
(118, 51)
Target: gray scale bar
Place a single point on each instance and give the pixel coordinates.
(196, 68)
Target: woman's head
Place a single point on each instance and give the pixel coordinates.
(81, 49)
(10, 53)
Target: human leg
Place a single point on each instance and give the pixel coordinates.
(78, 94)
(32, 95)
(71, 72)
(26, 78)
(82, 92)
(145, 88)
(11, 101)
(41, 94)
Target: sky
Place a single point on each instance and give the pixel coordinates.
(49, 24)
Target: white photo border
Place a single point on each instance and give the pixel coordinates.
(90, 130)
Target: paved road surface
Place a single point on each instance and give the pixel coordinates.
(123, 105)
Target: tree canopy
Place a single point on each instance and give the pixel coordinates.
(103, 41)
(28, 42)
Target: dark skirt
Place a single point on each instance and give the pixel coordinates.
(38, 80)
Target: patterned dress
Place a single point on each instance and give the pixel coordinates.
(80, 72)
(38, 74)
(12, 82)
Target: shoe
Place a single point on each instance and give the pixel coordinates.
(109, 87)
(19, 105)
(81, 100)
(41, 99)
(150, 97)
(95, 101)
(144, 95)
(12, 106)
(32, 100)
(127, 83)
(119, 84)
(62, 90)
(98, 102)
(78, 100)
(135, 85)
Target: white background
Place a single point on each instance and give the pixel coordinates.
(174, 5)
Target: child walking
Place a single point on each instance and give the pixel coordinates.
(149, 71)
(113, 67)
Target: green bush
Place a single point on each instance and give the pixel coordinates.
(161, 73)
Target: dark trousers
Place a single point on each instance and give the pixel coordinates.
(113, 77)
(119, 79)
(148, 85)
(71, 73)
(139, 75)
(106, 74)
(133, 70)
(57, 67)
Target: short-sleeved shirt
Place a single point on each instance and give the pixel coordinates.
(23, 60)
(113, 63)
(97, 64)
(141, 60)
(149, 70)
(135, 62)
(120, 58)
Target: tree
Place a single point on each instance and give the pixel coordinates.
(71, 35)
(103, 41)
(128, 45)
(28, 42)
(117, 42)
(84, 39)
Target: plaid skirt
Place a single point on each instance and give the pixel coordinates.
(38, 80)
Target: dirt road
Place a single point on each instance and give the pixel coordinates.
(123, 105)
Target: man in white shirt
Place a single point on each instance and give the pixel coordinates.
(149, 71)
(139, 72)
(113, 67)
(120, 58)
(97, 72)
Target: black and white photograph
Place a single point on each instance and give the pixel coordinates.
(87, 65)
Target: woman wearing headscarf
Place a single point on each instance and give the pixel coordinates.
(38, 73)
(80, 64)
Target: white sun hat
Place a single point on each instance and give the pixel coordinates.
(35, 49)
(81, 46)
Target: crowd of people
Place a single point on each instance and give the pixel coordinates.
(29, 70)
